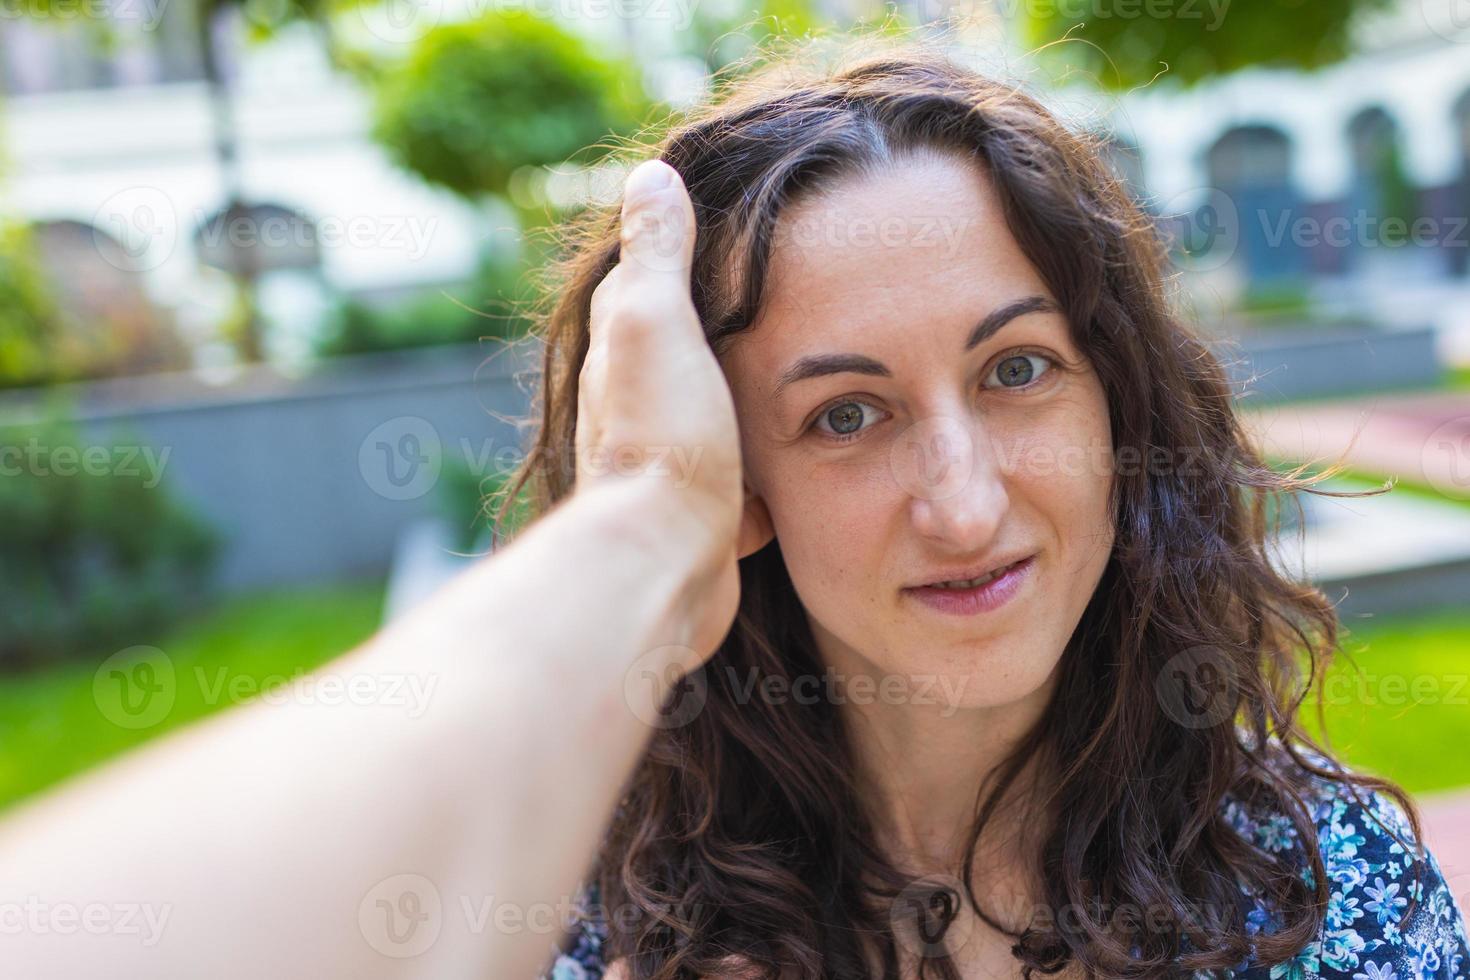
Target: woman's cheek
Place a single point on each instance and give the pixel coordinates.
(830, 520)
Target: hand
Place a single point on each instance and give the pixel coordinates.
(653, 407)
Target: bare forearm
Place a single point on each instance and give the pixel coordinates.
(360, 840)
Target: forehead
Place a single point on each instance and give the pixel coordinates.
(915, 248)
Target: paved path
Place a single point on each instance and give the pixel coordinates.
(1421, 438)
(1447, 831)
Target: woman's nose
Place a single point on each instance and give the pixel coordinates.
(950, 469)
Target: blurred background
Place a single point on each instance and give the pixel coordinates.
(265, 267)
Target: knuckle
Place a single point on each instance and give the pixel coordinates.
(604, 294)
(594, 364)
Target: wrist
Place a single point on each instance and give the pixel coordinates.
(676, 552)
(670, 524)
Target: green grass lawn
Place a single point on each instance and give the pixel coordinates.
(1404, 710)
(51, 725)
(1398, 702)
(1458, 378)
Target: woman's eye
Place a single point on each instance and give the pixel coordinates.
(843, 419)
(1019, 370)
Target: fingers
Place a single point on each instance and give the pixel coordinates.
(657, 240)
(644, 299)
(643, 324)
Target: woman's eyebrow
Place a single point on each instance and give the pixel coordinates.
(819, 365)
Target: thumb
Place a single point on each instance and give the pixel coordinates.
(657, 242)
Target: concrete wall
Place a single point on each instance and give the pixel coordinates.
(310, 479)
(1315, 362)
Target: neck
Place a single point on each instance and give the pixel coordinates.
(921, 766)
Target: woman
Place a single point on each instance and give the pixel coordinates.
(807, 799)
(986, 467)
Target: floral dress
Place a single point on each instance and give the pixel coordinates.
(1366, 934)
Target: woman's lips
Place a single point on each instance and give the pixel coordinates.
(982, 598)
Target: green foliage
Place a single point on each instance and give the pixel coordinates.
(476, 100)
(50, 725)
(460, 497)
(493, 305)
(733, 36)
(722, 34)
(470, 500)
(1126, 43)
(263, 18)
(1398, 199)
(93, 548)
(50, 335)
(1289, 300)
(28, 315)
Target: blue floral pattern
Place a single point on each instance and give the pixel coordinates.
(582, 960)
(1368, 933)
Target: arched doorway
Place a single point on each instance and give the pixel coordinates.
(1382, 202)
(1459, 252)
(1251, 166)
(108, 324)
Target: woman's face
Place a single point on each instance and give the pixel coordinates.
(912, 408)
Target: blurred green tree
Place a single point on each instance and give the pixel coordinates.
(93, 549)
(1398, 197)
(28, 314)
(723, 33)
(475, 101)
(483, 108)
(1122, 44)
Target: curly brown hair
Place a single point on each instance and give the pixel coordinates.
(795, 883)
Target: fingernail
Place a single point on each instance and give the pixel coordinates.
(648, 177)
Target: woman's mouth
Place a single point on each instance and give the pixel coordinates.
(988, 592)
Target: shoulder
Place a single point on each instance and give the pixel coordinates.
(580, 957)
(1390, 913)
